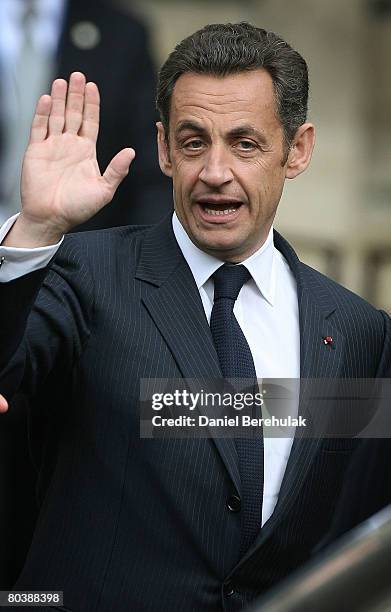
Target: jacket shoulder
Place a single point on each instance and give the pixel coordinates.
(104, 243)
(343, 297)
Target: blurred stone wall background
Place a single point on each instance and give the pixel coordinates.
(337, 214)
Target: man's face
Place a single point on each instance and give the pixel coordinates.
(226, 158)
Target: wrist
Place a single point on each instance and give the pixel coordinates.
(28, 234)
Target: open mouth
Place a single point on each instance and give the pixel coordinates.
(219, 211)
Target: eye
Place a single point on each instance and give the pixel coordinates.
(193, 145)
(246, 145)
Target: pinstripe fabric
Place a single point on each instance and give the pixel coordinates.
(130, 524)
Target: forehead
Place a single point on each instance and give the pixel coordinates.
(245, 96)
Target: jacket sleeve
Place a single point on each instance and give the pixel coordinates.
(45, 320)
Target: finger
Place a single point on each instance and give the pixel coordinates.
(39, 126)
(90, 125)
(57, 114)
(3, 404)
(118, 168)
(75, 102)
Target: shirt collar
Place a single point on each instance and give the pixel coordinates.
(260, 264)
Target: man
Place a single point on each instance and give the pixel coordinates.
(175, 524)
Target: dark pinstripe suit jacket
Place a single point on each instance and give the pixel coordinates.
(130, 524)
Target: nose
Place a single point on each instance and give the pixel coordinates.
(216, 170)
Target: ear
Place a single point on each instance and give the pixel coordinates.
(164, 154)
(300, 153)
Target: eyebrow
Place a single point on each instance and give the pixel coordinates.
(191, 126)
(247, 130)
(237, 132)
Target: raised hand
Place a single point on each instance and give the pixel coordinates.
(61, 184)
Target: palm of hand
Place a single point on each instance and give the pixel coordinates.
(62, 171)
(61, 182)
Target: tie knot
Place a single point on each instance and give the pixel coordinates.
(228, 280)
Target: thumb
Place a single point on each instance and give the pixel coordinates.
(118, 168)
(3, 404)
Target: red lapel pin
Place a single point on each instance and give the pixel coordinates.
(328, 340)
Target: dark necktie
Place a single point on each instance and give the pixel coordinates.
(237, 363)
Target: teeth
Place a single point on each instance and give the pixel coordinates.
(212, 211)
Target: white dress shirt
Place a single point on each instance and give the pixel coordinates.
(18, 261)
(266, 309)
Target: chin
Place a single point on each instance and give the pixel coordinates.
(220, 247)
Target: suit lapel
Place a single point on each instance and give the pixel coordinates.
(317, 360)
(174, 303)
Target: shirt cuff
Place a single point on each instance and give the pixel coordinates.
(16, 262)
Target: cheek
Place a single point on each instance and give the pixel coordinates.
(269, 180)
(185, 175)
